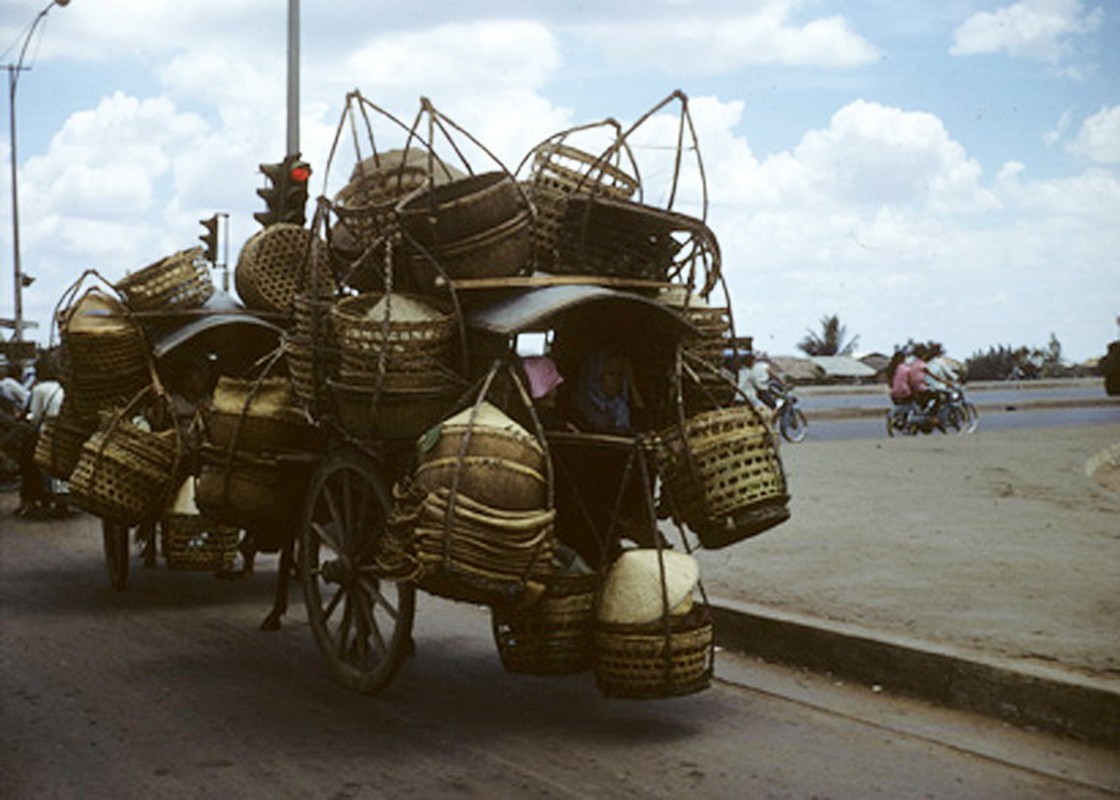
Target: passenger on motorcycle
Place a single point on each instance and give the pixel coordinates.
(758, 381)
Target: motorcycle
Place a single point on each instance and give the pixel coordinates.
(944, 412)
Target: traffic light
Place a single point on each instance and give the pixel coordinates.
(286, 197)
(210, 238)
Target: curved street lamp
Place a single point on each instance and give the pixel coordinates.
(20, 280)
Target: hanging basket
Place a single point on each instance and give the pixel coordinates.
(723, 475)
(179, 281)
(126, 472)
(261, 414)
(250, 491)
(60, 445)
(552, 636)
(670, 658)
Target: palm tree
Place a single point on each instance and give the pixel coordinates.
(830, 341)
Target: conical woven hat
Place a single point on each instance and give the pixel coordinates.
(184, 503)
(403, 309)
(488, 416)
(632, 589)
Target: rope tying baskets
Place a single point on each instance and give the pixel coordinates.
(276, 264)
(178, 281)
(723, 475)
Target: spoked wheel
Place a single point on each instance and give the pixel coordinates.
(794, 426)
(362, 623)
(115, 536)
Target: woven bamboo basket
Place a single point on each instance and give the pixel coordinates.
(559, 171)
(500, 252)
(619, 238)
(277, 263)
(462, 208)
(249, 491)
(363, 413)
(369, 343)
(60, 446)
(178, 281)
(263, 414)
(126, 473)
(194, 542)
(553, 635)
(670, 658)
(723, 474)
(498, 482)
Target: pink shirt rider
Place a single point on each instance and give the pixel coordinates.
(900, 383)
(917, 376)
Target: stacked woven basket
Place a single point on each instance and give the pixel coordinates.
(483, 524)
(255, 462)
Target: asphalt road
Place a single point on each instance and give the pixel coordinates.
(168, 689)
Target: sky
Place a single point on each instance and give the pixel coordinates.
(945, 171)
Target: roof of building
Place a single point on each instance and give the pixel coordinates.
(843, 367)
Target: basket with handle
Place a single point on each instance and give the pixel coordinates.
(127, 471)
(553, 635)
(723, 475)
(277, 263)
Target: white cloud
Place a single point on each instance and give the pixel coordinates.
(1099, 137)
(717, 43)
(1039, 30)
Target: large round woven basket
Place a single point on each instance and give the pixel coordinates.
(178, 281)
(553, 635)
(462, 208)
(194, 542)
(723, 464)
(364, 413)
(502, 251)
(369, 341)
(126, 473)
(276, 264)
(669, 658)
(497, 482)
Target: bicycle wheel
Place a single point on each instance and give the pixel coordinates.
(794, 426)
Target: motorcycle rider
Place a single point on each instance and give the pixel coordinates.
(758, 381)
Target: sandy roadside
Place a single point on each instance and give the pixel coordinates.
(999, 542)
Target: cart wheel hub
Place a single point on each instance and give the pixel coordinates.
(338, 570)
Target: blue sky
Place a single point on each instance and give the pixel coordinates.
(944, 170)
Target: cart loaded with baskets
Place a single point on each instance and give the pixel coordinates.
(499, 387)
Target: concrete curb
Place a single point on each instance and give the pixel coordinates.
(1026, 695)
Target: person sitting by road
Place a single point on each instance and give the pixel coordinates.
(606, 395)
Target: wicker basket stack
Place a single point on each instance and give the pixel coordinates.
(254, 464)
(179, 281)
(394, 376)
(479, 226)
(105, 355)
(723, 475)
(484, 522)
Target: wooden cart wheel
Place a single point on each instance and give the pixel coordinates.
(363, 624)
(115, 536)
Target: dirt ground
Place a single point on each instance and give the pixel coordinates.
(1007, 543)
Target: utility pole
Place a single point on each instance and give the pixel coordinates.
(19, 279)
(293, 78)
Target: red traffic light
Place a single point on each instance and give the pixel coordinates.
(300, 173)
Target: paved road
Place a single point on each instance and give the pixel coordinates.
(167, 689)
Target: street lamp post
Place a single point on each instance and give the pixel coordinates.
(13, 81)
